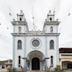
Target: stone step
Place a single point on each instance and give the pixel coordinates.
(36, 71)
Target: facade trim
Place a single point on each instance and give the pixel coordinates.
(27, 34)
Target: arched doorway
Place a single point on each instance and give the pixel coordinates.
(35, 64)
(67, 65)
(36, 60)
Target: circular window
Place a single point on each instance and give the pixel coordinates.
(35, 43)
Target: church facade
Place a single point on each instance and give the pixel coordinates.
(35, 50)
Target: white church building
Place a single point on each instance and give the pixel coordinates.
(35, 50)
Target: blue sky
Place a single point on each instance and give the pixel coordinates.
(38, 9)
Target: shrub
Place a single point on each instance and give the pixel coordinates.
(58, 69)
(12, 70)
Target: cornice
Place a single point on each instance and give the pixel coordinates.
(35, 34)
(52, 23)
(19, 22)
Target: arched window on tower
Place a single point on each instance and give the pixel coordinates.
(51, 44)
(20, 19)
(19, 29)
(51, 29)
(19, 61)
(50, 18)
(19, 44)
(51, 61)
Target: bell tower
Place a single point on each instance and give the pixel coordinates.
(20, 17)
(20, 25)
(50, 24)
(50, 16)
(51, 29)
(20, 28)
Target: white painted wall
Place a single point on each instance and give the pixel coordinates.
(23, 28)
(53, 52)
(18, 52)
(44, 48)
(47, 28)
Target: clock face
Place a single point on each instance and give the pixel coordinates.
(35, 43)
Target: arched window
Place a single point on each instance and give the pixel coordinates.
(51, 29)
(50, 18)
(19, 44)
(51, 44)
(19, 61)
(19, 29)
(51, 61)
(20, 19)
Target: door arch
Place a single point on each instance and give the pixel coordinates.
(35, 63)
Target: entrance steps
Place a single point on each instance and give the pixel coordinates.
(36, 71)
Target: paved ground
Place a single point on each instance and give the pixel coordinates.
(70, 70)
(3, 70)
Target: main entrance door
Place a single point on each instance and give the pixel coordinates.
(69, 65)
(35, 64)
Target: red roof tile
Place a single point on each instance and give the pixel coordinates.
(65, 50)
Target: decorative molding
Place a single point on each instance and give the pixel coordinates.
(19, 22)
(33, 34)
(51, 23)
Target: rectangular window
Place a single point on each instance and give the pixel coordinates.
(51, 61)
(19, 61)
